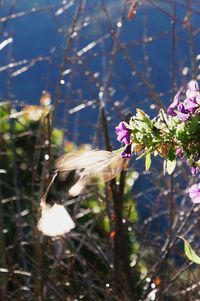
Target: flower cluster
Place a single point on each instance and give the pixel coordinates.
(186, 108)
(172, 134)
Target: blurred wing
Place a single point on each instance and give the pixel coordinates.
(110, 169)
(79, 186)
(80, 160)
(90, 166)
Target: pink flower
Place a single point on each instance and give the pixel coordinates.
(123, 133)
(194, 170)
(179, 152)
(190, 105)
(183, 109)
(194, 193)
(193, 89)
(193, 96)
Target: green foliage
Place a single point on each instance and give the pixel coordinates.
(170, 166)
(164, 135)
(148, 161)
(188, 138)
(189, 252)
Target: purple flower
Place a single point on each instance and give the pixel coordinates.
(182, 113)
(179, 152)
(171, 109)
(193, 89)
(194, 170)
(194, 193)
(123, 133)
(183, 116)
(193, 96)
(190, 106)
(127, 152)
(184, 109)
(177, 108)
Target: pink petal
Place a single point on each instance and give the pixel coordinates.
(194, 193)
(193, 85)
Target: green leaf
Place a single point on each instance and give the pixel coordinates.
(172, 154)
(170, 166)
(148, 161)
(106, 224)
(189, 252)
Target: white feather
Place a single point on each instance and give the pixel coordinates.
(55, 221)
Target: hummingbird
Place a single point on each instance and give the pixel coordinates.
(73, 172)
